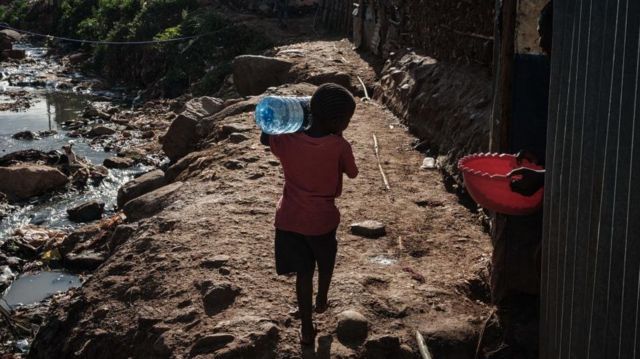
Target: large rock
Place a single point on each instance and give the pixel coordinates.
(85, 261)
(215, 262)
(118, 162)
(203, 106)
(254, 74)
(180, 138)
(369, 229)
(141, 185)
(151, 203)
(31, 156)
(24, 181)
(101, 130)
(353, 328)
(25, 135)
(86, 212)
(7, 38)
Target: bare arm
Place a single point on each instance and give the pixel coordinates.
(526, 181)
(264, 139)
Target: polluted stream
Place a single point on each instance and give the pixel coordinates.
(47, 113)
(39, 96)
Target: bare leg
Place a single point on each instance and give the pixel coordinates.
(326, 262)
(304, 292)
(324, 281)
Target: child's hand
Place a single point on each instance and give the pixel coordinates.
(526, 181)
(526, 155)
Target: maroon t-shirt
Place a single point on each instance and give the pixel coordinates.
(313, 169)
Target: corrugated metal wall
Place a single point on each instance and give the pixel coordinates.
(591, 247)
(336, 16)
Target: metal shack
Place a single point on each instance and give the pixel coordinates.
(590, 255)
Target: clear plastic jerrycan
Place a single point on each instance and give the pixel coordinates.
(276, 115)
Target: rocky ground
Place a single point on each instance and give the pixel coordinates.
(190, 272)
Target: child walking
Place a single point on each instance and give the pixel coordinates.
(307, 217)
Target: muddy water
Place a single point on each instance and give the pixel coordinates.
(30, 289)
(49, 109)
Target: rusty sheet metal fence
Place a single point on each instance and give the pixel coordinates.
(591, 244)
(336, 16)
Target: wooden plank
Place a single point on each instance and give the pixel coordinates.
(501, 116)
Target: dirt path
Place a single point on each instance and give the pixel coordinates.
(215, 240)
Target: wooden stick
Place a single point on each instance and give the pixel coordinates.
(424, 350)
(384, 177)
(366, 93)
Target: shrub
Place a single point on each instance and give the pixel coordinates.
(15, 12)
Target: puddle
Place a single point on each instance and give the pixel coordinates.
(30, 289)
(383, 260)
(47, 112)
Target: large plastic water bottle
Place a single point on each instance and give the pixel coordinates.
(276, 115)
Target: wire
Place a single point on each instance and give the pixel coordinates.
(101, 42)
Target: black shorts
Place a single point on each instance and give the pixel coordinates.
(297, 253)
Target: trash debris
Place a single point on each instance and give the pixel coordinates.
(6, 275)
(51, 255)
(23, 345)
(429, 163)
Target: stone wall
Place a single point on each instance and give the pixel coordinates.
(446, 106)
(437, 77)
(452, 31)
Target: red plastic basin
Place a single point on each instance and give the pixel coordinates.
(485, 177)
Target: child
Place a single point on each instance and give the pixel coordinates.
(307, 217)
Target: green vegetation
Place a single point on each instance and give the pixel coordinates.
(14, 12)
(170, 69)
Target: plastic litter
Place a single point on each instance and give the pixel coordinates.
(23, 345)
